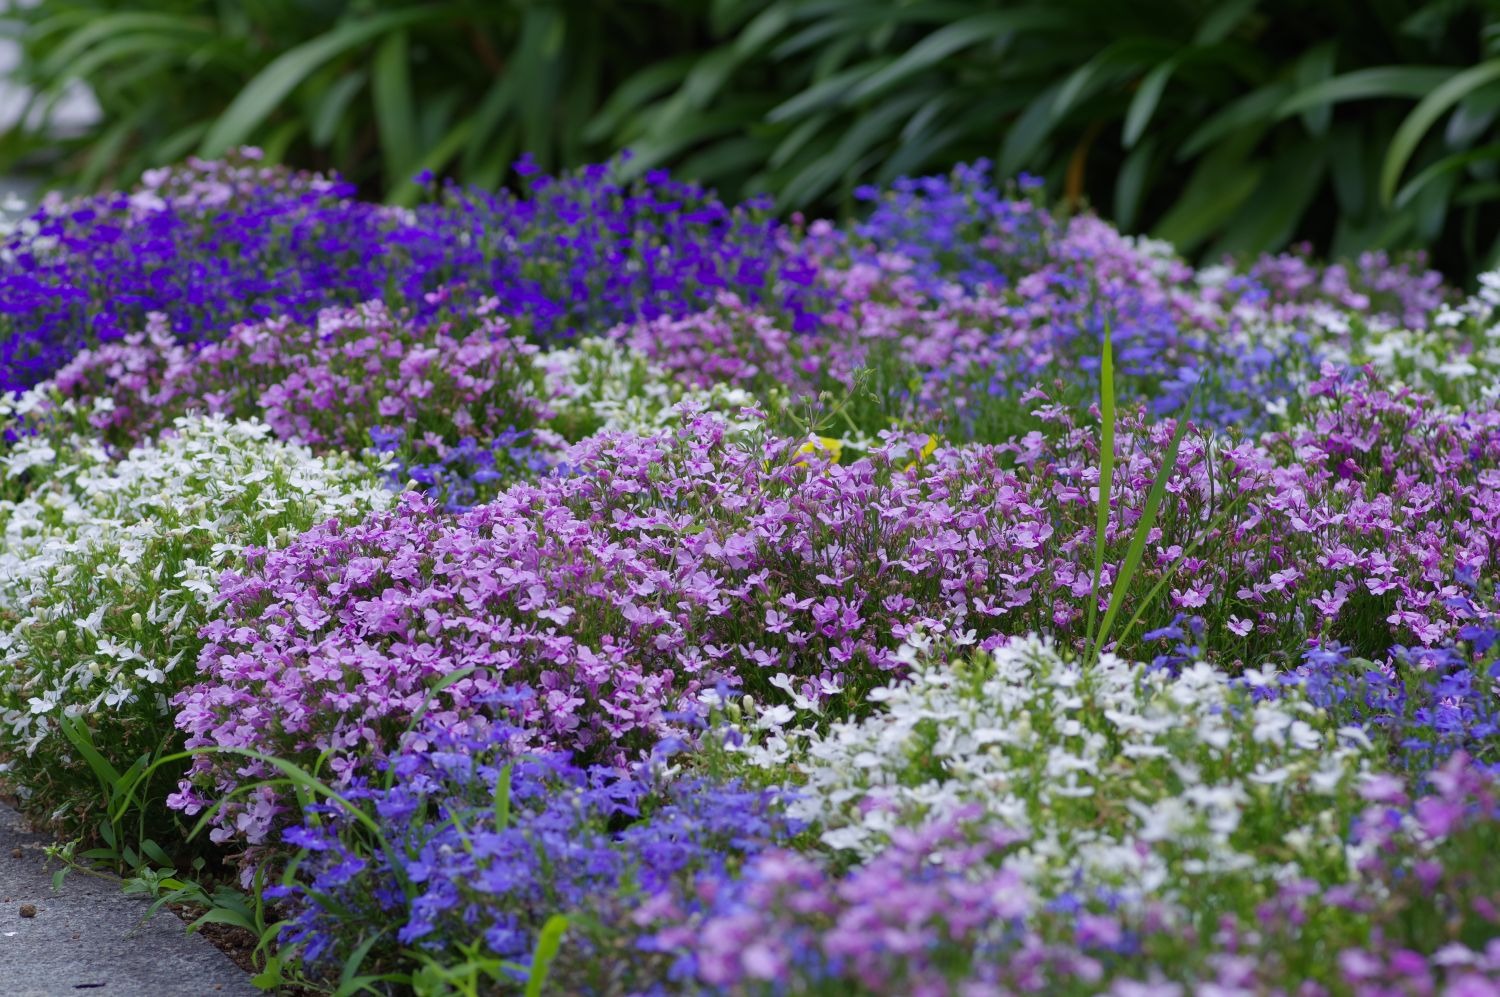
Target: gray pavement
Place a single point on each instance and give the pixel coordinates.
(89, 939)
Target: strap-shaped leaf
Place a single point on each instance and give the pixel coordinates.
(395, 113)
(1404, 143)
(1143, 103)
(264, 94)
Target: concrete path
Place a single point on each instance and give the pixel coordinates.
(89, 939)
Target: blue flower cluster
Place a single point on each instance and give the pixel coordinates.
(465, 474)
(1428, 702)
(959, 228)
(478, 842)
(216, 244)
(1081, 278)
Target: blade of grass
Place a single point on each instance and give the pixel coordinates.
(1142, 529)
(1106, 479)
(502, 798)
(547, 945)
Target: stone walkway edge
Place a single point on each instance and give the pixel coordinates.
(88, 938)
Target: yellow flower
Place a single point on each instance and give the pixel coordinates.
(834, 448)
(928, 449)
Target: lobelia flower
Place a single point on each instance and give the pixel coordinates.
(108, 569)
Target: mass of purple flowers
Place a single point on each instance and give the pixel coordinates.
(470, 837)
(553, 714)
(217, 244)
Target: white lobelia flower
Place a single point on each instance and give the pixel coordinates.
(98, 547)
(1132, 779)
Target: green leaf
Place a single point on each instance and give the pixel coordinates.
(269, 978)
(126, 47)
(837, 164)
(78, 735)
(1171, 572)
(1026, 135)
(105, 149)
(535, 64)
(1364, 84)
(956, 37)
(220, 915)
(1143, 103)
(1479, 193)
(1430, 206)
(732, 156)
(332, 105)
(1269, 217)
(407, 192)
(1142, 530)
(1106, 483)
(502, 797)
(395, 115)
(825, 92)
(348, 972)
(441, 685)
(114, 26)
(796, 139)
(1315, 66)
(498, 100)
(1472, 118)
(1446, 165)
(708, 76)
(154, 852)
(1223, 181)
(1123, 56)
(280, 139)
(548, 942)
(642, 86)
(1404, 143)
(1130, 184)
(1350, 169)
(179, 144)
(758, 33)
(1223, 18)
(264, 94)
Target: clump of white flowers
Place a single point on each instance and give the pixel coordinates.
(1456, 359)
(1115, 777)
(108, 569)
(602, 385)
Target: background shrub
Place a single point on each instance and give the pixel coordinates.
(1236, 126)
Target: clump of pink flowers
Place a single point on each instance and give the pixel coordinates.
(324, 384)
(660, 566)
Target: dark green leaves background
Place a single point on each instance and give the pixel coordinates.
(1233, 126)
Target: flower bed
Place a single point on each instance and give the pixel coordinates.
(608, 589)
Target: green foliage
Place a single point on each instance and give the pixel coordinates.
(1234, 126)
(378, 89)
(1221, 126)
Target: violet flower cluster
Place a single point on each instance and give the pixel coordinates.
(1425, 702)
(659, 566)
(215, 245)
(1213, 342)
(448, 862)
(453, 400)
